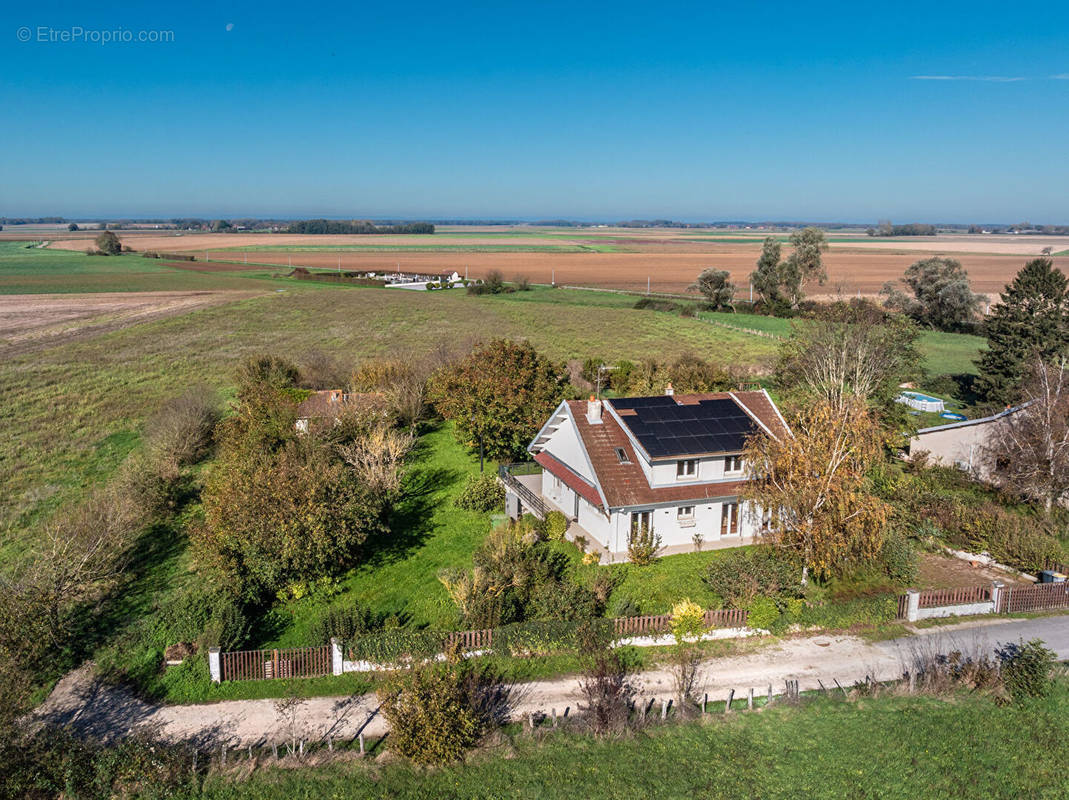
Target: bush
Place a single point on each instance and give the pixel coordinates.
(743, 575)
(180, 433)
(344, 623)
(688, 620)
(643, 545)
(899, 558)
(556, 526)
(862, 611)
(227, 627)
(764, 614)
(1026, 668)
(438, 712)
(607, 691)
(482, 492)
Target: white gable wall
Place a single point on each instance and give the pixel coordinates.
(564, 445)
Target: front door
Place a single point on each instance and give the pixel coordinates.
(641, 519)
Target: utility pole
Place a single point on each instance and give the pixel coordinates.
(647, 284)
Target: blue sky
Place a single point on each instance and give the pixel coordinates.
(498, 110)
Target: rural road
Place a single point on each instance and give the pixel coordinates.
(108, 711)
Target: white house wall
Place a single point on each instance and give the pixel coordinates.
(673, 533)
(709, 469)
(564, 445)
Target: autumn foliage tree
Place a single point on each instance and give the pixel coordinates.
(1029, 451)
(815, 482)
(499, 395)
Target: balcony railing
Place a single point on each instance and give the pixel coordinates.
(530, 500)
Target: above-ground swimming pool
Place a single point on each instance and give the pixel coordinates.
(921, 402)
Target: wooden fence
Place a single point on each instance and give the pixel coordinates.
(933, 598)
(659, 623)
(257, 665)
(1040, 597)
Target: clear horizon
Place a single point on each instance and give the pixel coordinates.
(502, 111)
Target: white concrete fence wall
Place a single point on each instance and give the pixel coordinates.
(914, 612)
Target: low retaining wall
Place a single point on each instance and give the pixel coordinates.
(916, 610)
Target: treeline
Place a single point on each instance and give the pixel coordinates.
(31, 220)
(356, 226)
(1022, 227)
(885, 228)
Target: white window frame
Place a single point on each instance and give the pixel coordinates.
(686, 469)
(685, 516)
(733, 465)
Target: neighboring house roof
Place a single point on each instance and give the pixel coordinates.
(624, 484)
(978, 421)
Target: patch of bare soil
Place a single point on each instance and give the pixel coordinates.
(944, 572)
(30, 322)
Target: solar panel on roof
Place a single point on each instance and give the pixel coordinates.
(665, 428)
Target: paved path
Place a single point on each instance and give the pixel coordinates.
(110, 711)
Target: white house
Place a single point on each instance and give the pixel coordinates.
(670, 462)
(964, 445)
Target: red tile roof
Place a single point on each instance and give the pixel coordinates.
(576, 483)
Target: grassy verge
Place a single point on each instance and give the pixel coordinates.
(888, 747)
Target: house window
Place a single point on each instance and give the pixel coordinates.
(641, 519)
(733, 464)
(621, 456)
(687, 468)
(685, 512)
(729, 519)
(766, 520)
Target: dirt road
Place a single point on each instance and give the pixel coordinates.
(106, 711)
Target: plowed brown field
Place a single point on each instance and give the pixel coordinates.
(848, 272)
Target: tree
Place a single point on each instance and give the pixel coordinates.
(850, 351)
(1029, 451)
(766, 278)
(72, 227)
(941, 295)
(1031, 321)
(279, 508)
(804, 264)
(108, 244)
(816, 482)
(719, 291)
(499, 396)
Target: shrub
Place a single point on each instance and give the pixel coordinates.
(438, 712)
(607, 691)
(344, 623)
(523, 284)
(180, 433)
(227, 627)
(742, 575)
(899, 558)
(687, 621)
(482, 492)
(862, 611)
(556, 526)
(1026, 668)
(643, 545)
(764, 614)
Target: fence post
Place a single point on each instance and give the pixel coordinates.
(913, 605)
(214, 668)
(336, 664)
(996, 595)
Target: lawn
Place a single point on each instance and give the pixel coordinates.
(889, 747)
(944, 353)
(428, 534)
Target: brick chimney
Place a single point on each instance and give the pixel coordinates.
(593, 411)
(668, 390)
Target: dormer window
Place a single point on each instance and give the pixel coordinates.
(733, 464)
(621, 456)
(687, 468)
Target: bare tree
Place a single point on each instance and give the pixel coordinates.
(378, 458)
(1030, 450)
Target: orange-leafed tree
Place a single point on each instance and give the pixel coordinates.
(815, 484)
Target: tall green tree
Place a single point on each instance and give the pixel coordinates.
(804, 265)
(108, 244)
(766, 278)
(942, 297)
(500, 395)
(716, 286)
(1032, 321)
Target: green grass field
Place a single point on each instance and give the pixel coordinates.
(44, 271)
(887, 748)
(944, 353)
